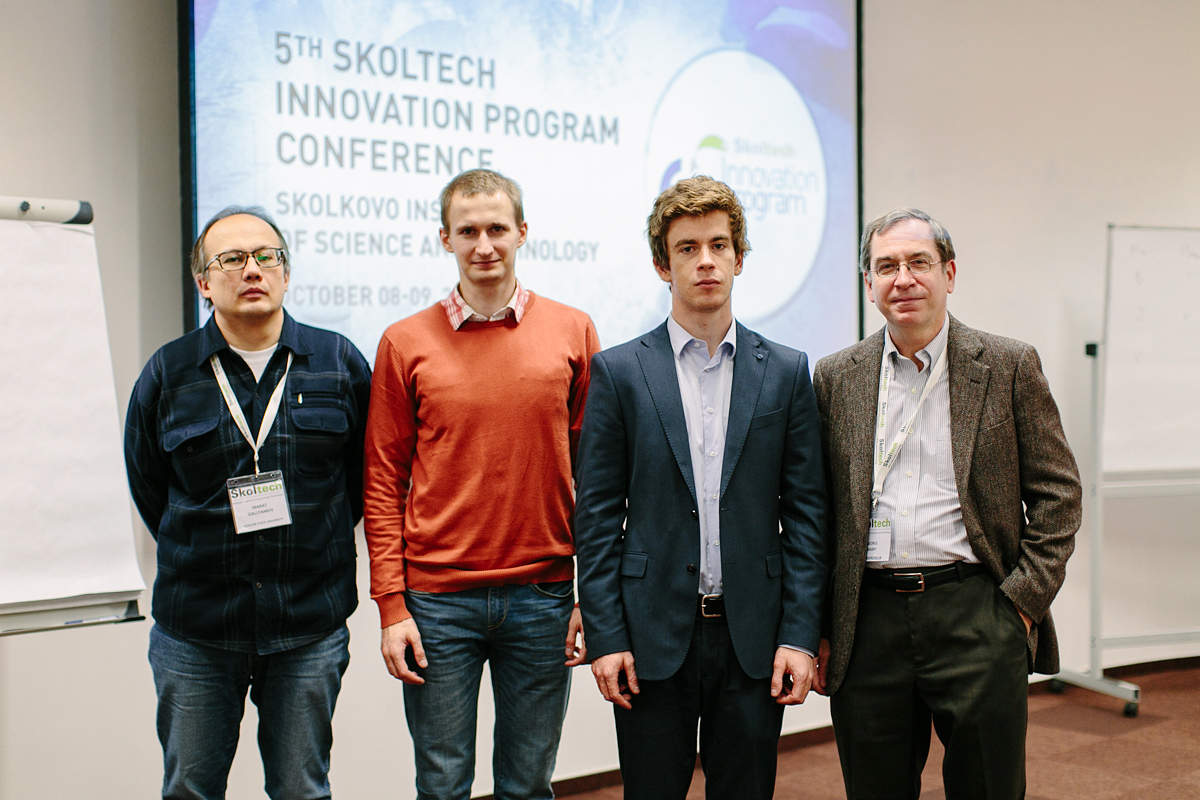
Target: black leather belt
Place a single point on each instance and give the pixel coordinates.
(918, 580)
(712, 605)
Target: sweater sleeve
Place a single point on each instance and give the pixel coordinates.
(387, 472)
(579, 387)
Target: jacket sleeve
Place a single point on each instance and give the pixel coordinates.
(803, 518)
(600, 511)
(1050, 492)
(821, 390)
(360, 400)
(146, 465)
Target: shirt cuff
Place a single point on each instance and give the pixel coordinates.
(804, 650)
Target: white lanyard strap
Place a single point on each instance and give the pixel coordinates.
(235, 409)
(886, 459)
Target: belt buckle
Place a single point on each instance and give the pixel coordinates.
(919, 575)
(704, 605)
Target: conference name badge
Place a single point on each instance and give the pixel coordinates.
(879, 541)
(258, 501)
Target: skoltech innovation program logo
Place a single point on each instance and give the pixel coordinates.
(759, 138)
(710, 142)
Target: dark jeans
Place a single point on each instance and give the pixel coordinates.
(955, 655)
(521, 631)
(201, 699)
(739, 726)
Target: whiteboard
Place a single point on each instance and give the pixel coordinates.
(66, 527)
(1151, 351)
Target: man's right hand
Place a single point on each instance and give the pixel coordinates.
(396, 641)
(615, 686)
(818, 684)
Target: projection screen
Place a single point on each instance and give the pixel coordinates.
(345, 119)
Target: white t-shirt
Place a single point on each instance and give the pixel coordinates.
(256, 359)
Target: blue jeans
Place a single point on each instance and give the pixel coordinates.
(201, 698)
(521, 631)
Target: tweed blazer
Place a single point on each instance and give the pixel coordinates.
(1017, 479)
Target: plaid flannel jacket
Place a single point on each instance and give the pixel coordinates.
(273, 589)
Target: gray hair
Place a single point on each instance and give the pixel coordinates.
(941, 237)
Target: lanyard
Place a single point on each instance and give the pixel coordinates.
(886, 459)
(236, 410)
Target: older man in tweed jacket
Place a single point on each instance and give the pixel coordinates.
(955, 504)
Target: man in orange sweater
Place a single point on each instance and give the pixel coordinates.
(477, 403)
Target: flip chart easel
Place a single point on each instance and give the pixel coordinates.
(67, 556)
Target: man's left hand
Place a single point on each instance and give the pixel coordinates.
(822, 668)
(1027, 620)
(576, 650)
(794, 665)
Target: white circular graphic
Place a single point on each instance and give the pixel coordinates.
(734, 116)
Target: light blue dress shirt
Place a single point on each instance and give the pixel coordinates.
(705, 384)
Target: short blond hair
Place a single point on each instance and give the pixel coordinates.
(480, 181)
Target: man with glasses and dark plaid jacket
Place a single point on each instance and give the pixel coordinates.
(243, 445)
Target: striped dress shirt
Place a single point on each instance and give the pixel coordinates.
(920, 495)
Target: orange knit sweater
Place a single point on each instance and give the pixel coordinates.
(482, 423)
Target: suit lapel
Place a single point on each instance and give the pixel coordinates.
(862, 382)
(968, 387)
(749, 369)
(658, 368)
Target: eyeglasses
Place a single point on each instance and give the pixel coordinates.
(917, 266)
(235, 260)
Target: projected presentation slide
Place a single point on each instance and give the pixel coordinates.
(345, 119)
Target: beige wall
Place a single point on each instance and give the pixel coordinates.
(87, 111)
(1025, 126)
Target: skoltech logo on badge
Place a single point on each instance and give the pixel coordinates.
(256, 488)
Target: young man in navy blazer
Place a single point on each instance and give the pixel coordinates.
(700, 521)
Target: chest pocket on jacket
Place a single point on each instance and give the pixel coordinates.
(198, 457)
(321, 425)
(768, 419)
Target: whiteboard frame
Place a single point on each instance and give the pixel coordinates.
(1157, 483)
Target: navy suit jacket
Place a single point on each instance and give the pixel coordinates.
(637, 530)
